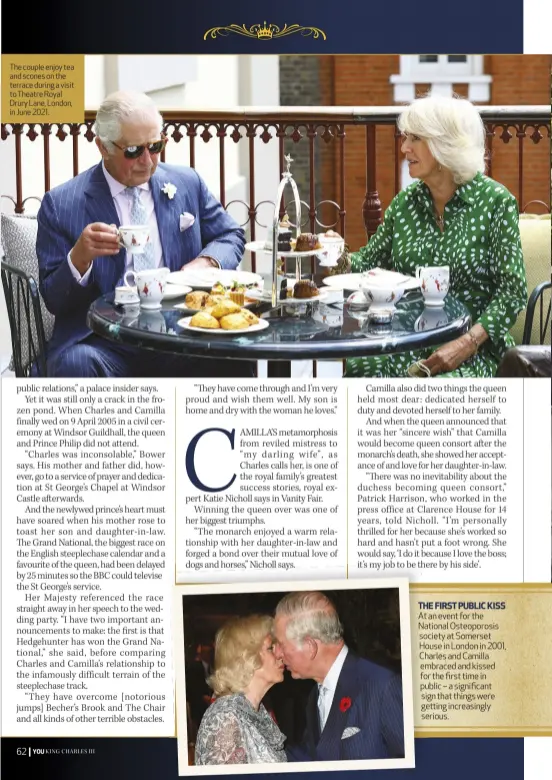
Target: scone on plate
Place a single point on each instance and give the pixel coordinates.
(234, 321)
(196, 299)
(251, 318)
(204, 320)
(225, 307)
(212, 299)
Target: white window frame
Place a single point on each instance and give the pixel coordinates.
(440, 77)
(148, 73)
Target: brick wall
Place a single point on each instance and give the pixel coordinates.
(357, 80)
(521, 80)
(361, 81)
(300, 85)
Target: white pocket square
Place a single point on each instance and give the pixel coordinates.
(350, 731)
(186, 221)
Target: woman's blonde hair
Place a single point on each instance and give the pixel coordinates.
(237, 653)
(453, 131)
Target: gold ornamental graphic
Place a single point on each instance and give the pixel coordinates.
(264, 32)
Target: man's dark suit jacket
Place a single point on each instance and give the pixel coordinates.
(65, 212)
(365, 720)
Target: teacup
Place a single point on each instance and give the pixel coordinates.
(134, 238)
(126, 296)
(380, 295)
(333, 247)
(151, 286)
(434, 281)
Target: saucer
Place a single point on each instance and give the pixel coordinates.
(328, 264)
(130, 300)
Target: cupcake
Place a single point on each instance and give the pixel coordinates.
(236, 293)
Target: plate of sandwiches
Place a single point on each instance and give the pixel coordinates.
(226, 317)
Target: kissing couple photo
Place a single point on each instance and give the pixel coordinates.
(305, 676)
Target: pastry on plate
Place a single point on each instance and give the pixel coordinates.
(218, 289)
(204, 320)
(305, 289)
(196, 299)
(307, 242)
(236, 293)
(234, 321)
(284, 234)
(224, 307)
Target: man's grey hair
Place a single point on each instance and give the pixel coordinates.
(310, 614)
(118, 109)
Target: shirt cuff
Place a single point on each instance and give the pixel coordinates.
(82, 280)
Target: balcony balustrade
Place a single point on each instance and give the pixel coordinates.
(321, 138)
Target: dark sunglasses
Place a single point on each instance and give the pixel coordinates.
(133, 152)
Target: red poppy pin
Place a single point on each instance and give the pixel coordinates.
(344, 704)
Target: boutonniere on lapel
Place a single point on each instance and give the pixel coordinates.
(169, 190)
(345, 703)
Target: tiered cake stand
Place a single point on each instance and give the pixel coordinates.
(259, 246)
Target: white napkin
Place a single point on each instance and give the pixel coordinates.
(186, 221)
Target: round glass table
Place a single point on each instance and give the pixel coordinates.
(314, 330)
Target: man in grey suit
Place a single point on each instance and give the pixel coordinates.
(355, 712)
(80, 257)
